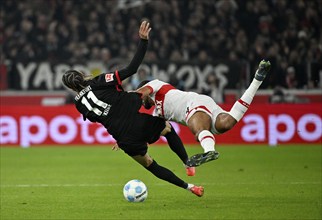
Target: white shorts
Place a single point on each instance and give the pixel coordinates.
(205, 104)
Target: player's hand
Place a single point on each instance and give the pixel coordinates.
(144, 30)
(115, 147)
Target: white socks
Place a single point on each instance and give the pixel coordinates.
(240, 107)
(207, 140)
(189, 186)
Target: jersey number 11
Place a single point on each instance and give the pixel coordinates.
(98, 103)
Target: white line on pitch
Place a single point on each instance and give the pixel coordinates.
(59, 185)
(159, 184)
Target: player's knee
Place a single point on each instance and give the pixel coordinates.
(147, 162)
(167, 128)
(224, 122)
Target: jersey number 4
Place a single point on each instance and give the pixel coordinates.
(98, 103)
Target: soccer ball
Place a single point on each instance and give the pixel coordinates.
(135, 191)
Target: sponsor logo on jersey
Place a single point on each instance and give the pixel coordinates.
(109, 77)
(158, 107)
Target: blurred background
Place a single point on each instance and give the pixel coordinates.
(211, 47)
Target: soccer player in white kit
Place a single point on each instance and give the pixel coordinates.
(199, 112)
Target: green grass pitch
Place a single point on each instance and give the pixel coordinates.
(246, 182)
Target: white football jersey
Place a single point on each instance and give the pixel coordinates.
(176, 105)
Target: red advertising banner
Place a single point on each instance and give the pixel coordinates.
(274, 124)
(263, 123)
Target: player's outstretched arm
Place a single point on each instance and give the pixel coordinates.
(144, 30)
(132, 68)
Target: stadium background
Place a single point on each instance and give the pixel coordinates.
(212, 47)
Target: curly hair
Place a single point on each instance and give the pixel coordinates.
(75, 80)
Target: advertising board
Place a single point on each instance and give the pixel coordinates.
(62, 125)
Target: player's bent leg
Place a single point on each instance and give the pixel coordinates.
(177, 147)
(167, 175)
(200, 125)
(224, 122)
(198, 122)
(145, 160)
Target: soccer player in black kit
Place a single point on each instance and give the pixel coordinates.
(103, 100)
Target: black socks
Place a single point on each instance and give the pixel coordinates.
(165, 174)
(176, 145)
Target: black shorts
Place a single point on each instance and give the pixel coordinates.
(143, 129)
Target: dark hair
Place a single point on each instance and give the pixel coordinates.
(142, 83)
(74, 80)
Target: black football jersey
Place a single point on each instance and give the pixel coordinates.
(105, 102)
